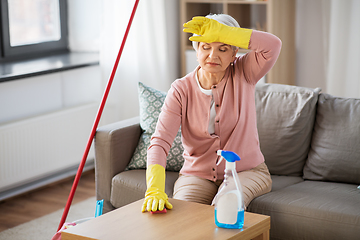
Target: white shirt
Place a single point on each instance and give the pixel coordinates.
(211, 127)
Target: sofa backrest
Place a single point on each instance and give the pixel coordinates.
(335, 147)
(285, 120)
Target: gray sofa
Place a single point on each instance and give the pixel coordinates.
(311, 144)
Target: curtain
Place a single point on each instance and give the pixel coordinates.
(84, 25)
(342, 40)
(150, 54)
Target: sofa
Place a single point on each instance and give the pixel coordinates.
(311, 144)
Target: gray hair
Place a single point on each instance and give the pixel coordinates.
(223, 19)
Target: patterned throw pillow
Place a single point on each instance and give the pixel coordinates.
(151, 101)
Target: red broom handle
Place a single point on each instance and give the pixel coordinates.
(97, 119)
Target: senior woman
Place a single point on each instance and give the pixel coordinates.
(215, 107)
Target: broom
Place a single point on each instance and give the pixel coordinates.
(96, 122)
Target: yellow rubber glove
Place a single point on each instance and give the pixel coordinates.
(155, 196)
(210, 30)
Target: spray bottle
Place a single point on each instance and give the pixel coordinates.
(229, 204)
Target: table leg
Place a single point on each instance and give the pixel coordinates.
(264, 236)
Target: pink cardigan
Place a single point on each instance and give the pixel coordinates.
(235, 122)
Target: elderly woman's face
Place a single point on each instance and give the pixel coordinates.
(215, 57)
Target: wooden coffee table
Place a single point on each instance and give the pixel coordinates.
(186, 220)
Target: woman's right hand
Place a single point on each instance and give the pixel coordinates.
(155, 197)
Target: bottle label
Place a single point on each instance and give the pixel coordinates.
(227, 208)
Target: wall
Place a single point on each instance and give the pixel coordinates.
(310, 61)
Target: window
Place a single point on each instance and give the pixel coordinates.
(32, 28)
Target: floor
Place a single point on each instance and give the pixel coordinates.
(40, 202)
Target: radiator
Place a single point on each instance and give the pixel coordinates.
(41, 149)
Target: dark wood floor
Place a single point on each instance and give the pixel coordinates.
(43, 201)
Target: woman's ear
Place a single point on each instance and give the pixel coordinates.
(234, 54)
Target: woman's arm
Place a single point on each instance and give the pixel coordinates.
(166, 129)
(265, 51)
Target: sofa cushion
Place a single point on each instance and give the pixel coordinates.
(151, 101)
(280, 182)
(335, 147)
(312, 210)
(285, 118)
(130, 186)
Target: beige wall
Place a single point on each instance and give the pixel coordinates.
(310, 67)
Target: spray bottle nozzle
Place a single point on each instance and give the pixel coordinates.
(228, 155)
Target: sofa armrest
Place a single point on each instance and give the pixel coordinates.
(114, 146)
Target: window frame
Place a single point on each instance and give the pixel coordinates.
(9, 53)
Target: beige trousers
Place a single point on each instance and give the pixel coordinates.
(254, 182)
